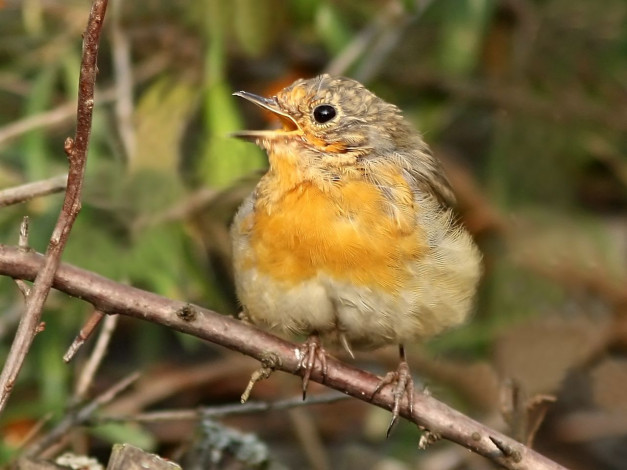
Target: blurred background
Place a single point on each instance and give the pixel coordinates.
(525, 102)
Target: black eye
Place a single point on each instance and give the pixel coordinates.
(324, 113)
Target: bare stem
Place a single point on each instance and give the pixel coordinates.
(83, 335)
(100, 349)
(28, 191)
(221, 411)
(76, 150)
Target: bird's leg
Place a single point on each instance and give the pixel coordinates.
(403, 387)
(311, 350)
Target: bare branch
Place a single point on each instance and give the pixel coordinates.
(221, 411)
(100, 349)
(64, 112)
(85, 332)
(429, 413)
(76, 150)
(28, 191)
(49, 118)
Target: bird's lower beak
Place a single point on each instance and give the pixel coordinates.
(272, 105)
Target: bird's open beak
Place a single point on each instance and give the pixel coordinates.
(272, 105)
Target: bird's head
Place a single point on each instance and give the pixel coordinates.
(333, 117)
(334, 127)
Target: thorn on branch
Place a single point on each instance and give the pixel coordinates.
(507, 450)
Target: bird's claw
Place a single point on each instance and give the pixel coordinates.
(311, 351)
(403, 387)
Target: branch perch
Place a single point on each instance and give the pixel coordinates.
(429, 413)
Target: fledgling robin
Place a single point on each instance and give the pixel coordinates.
(350, 237)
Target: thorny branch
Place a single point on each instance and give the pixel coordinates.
(429, 413)
(76, 150)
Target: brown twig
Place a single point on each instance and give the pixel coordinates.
(66, 111)
(100, 349)
(28, 191)
(85, 332)
(79, 417)
(156, 387)
(77, 155)
(50, 118)
(222, 411)
(429, 413)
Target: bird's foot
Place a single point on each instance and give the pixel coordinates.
(403, 385)
(310, 352)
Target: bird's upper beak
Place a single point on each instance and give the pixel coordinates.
(272, 105)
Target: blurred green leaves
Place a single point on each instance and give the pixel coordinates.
(463, 30)
(34, 142)
(224, 159)
(331, 27)
(257, 24)
(160, 117)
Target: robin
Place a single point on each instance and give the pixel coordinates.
(350, 237)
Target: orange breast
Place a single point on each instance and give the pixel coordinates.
(346, 233)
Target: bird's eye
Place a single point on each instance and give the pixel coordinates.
(324, 113)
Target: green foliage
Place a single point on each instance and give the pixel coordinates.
(462, 33)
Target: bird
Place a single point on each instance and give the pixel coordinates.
(351, 237)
